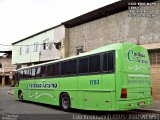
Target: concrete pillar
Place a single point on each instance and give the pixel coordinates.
(65, 45)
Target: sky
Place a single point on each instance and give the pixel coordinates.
(22, 18)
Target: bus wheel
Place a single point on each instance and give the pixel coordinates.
(65, 102)
(20, 95)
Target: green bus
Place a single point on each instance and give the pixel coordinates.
(112, 77)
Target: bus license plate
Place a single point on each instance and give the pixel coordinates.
(141, 103)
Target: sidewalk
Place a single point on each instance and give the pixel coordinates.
(8, 89)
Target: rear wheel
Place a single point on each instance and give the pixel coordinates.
(20, 95)
(65, 102)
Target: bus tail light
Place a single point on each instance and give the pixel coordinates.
(124, 93)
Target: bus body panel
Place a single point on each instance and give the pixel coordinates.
(98, 91)
(134, 78)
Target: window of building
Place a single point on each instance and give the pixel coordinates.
(46, 44)
(20, 51)
(64, 68)
(94, 63)
(154, 57)
(27, 49)
(80, 49)
(72, 69)
(83, 65)
(36, 46)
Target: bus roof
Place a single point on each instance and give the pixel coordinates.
(98, 50)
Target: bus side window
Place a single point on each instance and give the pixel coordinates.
(56, 69)
(16, 76)
(33, 72)
(38, 72)
(25, 74)
(108, 61)
(21, 74)
(28, 74)
(94, 63)
(43, 71)
(83, 65)
(50, 70)
(64, 68)
(72, 69)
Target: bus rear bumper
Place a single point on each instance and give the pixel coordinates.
(133, 104)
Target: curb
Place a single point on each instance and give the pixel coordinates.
(148, 110)
(10, 93)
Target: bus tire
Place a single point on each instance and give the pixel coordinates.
(20, 95)
(65, 102)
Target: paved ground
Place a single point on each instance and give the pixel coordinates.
(10, 108)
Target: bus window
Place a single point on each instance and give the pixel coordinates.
(21, 74)
(25, 73)
(16, 76)
(29, 73)
(64, 68)
(105, 62)
(56, 69)
(72, 67)
(43, 71)
(94, 63)
(38, 72)
(50, 70)
(83, 65)
(110, 61)
(33, 72)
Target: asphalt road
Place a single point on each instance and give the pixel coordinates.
(11, 109)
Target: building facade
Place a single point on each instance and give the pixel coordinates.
(6, 68)
(44, 46)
